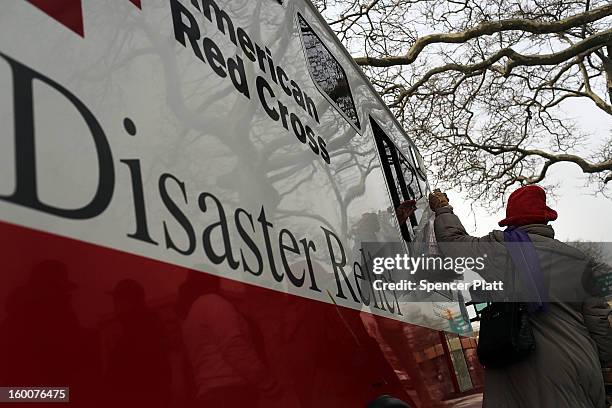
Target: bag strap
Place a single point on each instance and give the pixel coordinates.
(526, 261)
(510, 279)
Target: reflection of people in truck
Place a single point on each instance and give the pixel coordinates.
(341, 343)
(378, 227)
(42, 342)
(138, 372)
(226, 351)
(367, 230)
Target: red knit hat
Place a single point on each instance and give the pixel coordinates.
(527, 205)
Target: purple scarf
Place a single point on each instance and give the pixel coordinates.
(527, 262)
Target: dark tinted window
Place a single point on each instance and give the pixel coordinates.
(327, 72)
(401, 176)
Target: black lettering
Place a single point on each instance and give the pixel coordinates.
(359, 276)
(238, 76)
(265, 225)
(271, 65)
(214, 56)
(391, 306)
(298, 95)
(312, 109)
(283, 79)
(298, 128)
(383, 295)
(262, 85)
(249, 242)
(223, 19)
(224, 230)
(312, 142)
(26, 192)
(180, 29)
(284, 112)
(196, 4)
(338, 265)
(308, 246)
(178, 215)
(297, 281)
(140, 210)
(370, 279)
(246, 44)
(323, 148)
(261, 57)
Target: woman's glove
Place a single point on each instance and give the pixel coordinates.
(437, 199)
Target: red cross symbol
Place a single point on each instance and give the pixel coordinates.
(67, 12)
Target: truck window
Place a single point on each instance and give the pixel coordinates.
(327, 72)
(418, 162)
(401, 176)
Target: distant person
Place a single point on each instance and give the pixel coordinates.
(138, 372)
(572, 339)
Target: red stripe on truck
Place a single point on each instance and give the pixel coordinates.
(67, 12)
(118, 329)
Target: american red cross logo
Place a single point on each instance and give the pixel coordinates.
(67, 12)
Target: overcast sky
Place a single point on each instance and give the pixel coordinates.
(582, 216)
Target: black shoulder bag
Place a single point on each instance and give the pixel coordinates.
(506, 335)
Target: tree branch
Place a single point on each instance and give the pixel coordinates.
(515, 59)
(586, 166)
(488, 28)
(593, 42)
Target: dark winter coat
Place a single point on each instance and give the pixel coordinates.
(571, 337)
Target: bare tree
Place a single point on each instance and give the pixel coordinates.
(480, 85)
